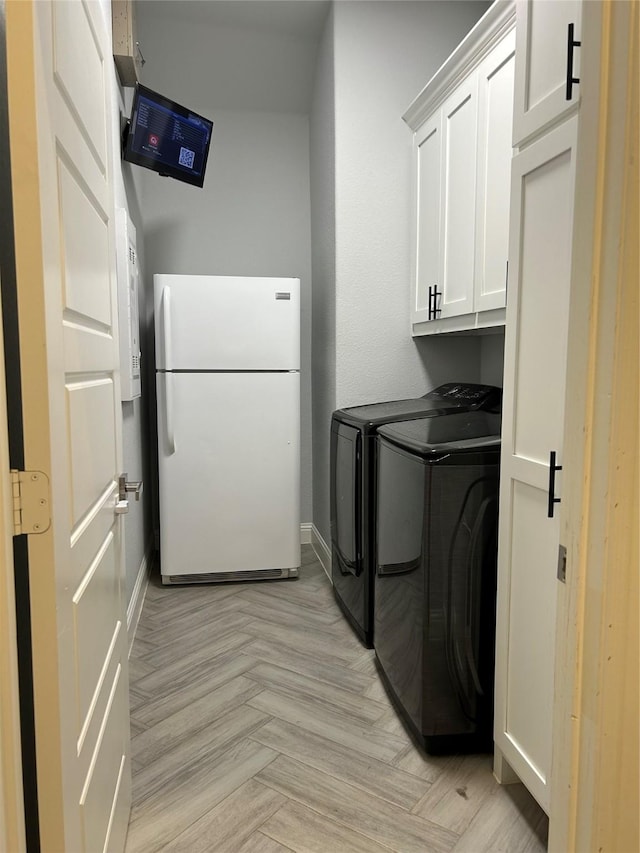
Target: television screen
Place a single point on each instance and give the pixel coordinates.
(167, 137)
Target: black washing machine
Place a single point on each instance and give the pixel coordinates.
(435, 582)
(353, 435)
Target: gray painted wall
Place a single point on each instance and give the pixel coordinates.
(374, 59)
(135, 428)
(323, 241)
(492, 358)
(384, 54)
(253, 215)
(287, 195)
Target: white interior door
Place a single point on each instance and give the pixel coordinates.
(59, 66)
(543, 178)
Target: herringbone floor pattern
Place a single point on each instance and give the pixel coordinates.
(259, 725)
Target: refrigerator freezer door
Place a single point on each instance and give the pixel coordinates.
(229, 469)
(227, 323)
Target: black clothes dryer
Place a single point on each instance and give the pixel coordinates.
(435, 582)
(353, 434)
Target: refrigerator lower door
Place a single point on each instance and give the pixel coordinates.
(229, 475)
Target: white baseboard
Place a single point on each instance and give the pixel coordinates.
(323, 552)
(305, 533)
(137, 596)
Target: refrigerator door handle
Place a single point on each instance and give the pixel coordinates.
(166, 327)
(168, 401)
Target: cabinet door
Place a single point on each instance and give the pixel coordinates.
(542, 190)
(428, 165)
(459, 134)
(495, 116)
(542, 49)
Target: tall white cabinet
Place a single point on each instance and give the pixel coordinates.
(541, 224)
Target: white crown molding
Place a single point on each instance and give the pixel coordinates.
(497, 21)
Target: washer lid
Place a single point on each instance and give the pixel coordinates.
(469, 395)
(447, 398)
(457, 433)
(395, 410)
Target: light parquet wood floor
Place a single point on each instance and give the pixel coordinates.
(259, 725)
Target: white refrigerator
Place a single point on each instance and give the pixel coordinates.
(228, 395)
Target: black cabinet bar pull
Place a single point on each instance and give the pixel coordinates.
(433, 311)
(571, 44)
(436, 293)
(552, 483)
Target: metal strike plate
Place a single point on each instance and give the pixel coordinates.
(128, 486)
(31, 502)
(562, 564)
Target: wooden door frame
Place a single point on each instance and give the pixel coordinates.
(45, 818)
(12, 819)
(18, 790)
(595, 768)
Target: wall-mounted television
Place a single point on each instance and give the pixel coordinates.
(167, 137)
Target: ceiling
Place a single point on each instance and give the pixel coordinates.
(232, 54)
(298, 18)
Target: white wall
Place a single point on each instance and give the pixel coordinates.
(252, 216)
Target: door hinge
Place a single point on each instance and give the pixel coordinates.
(31, 502)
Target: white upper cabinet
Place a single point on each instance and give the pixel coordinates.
(458, 178)
(495, 113)
(428, 156)
(547, 64)
(462, 123)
